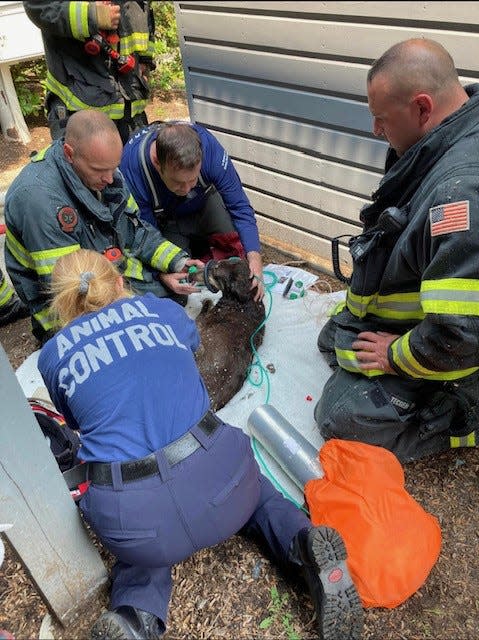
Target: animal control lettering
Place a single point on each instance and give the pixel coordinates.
(107, 349)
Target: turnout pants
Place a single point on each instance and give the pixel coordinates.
(58, 114)
(411, 418)
(205, 234)
(155, 522)
(8, 297)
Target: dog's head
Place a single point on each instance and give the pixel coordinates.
(231, 276)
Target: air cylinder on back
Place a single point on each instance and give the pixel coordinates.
(296, 455)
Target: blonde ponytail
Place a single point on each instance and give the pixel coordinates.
(82, 282)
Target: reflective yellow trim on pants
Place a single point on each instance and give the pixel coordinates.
(138, 106)
(6, 293)
(135, 42)
(463, 441)
(347, 360)
(44, 319)
(337, 308)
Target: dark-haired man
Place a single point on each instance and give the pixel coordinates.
(186, 185)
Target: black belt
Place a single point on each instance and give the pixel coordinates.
(176, 451)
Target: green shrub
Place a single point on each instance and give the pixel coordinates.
(168, 74)
(29, 78)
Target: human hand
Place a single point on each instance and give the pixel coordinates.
(372, 350)
(193, 262)
(144, 70)
(177, 283)
(107, 15)
(256, 273)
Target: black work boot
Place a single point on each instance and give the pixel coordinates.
(127, 623)
(321, 554)
(15, 310)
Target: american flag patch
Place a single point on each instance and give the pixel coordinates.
(446, 218)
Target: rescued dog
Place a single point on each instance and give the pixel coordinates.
(225, 352)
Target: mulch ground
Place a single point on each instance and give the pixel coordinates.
(232, 591)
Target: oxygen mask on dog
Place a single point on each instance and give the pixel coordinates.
(196, 276)
(203, 277)
(200, 277)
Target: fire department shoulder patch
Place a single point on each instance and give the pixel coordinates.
(68, 219)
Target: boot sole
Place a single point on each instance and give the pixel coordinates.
(341, 609)
(110, 626)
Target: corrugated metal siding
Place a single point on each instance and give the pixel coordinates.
(283, 87)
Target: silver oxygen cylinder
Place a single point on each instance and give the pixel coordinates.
(296, 455)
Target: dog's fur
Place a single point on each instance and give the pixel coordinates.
(225, 353)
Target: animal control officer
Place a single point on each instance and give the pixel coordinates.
(168, 477)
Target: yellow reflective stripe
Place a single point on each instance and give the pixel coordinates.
(44, 261)
(399, 306)
(457, 296)
(151, 49)
(347, 360)
(337, 308)
(134, 42)
(6, 292)
(134, 268)
(403, 358)
(40, 154)
(44, 318)
(18, 251)
(131, 205)
(78, 16)
(138, 106)
(72, 103)
(463, 441)
(163, 256)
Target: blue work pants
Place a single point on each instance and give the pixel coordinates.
(153, 523)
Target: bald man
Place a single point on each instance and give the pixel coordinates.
(405, 348)
(70, 196)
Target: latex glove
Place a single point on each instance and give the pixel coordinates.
(256, 273)
(107, 15)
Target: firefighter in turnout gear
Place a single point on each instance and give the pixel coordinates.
(404, 348)
(98, 56)
(72, 196)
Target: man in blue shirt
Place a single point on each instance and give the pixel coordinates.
(186, 185)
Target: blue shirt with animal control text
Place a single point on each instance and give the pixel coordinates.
(126, 376)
